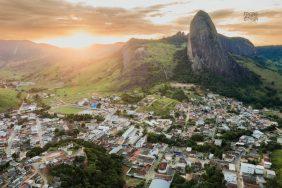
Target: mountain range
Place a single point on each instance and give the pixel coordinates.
(231, 66)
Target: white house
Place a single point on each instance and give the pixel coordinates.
(217, 142)
(270, 174)
(267, 164)
(200, 122)
(232, 167)
(141, 142)
(247, 168)
(230, 176)
(259, 169)
(128, 132)
(257, 134)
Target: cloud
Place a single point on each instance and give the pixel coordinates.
(46, 18)
(37, 19)
(183, 22)
(222, 14)
(268, 29)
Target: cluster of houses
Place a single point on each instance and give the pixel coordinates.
(20, 131)
(124, 131)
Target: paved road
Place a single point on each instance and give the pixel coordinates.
(20, 108)
(10, 142)
(151, 174)
(39, 130)
(239, 176)
(13, 133)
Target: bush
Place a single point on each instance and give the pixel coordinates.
(34, 152)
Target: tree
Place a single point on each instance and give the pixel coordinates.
(34, 152)
(101, 169)
(179, 95)
(213, 177)
(99, 118)
(59, 132)
(141, 184)
(272, 183)
(197, 137)
(15, 156)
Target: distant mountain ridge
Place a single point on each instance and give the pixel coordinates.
(230, 66)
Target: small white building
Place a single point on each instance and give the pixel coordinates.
(267, 164)
(247, 168)
(83, 102)
(218, 142)
(128, 132)
(259, 169)
(257, 134)
(270, 174)
(3, 134)
(115, 149)
(232, 167)
(230, 176)
(200, 122)
(141, 142)
(189, 149)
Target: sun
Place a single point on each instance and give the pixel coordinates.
(81, 40)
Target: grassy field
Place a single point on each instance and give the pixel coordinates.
(67, 110)
(132, 181)
(7, 75)
(8, 99)
(276, 158)
(161, 106)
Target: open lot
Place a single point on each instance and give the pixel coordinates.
(276, 158)
(67, 110)
(8, 99)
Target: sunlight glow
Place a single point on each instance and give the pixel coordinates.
(81, 40)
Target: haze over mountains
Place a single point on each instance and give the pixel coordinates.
(203, 56)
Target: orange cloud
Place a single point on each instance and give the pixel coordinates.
(26, 19)
(268, 29)
(30, 20)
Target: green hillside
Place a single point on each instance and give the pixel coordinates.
(8, 99)
(143, 64)
(270, 57)
(270, 78)
(149, 62)
(264, 90)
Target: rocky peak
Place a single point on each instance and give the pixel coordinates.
(202, 25)
(204, 48)
(209, 51)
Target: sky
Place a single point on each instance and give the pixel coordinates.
(80, 23)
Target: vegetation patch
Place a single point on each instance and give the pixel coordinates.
(276, 158)
(263, 90)
(96, 169)
(8, 99)
(162, 106)
(212, 177)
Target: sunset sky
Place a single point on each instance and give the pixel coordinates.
(79, 23)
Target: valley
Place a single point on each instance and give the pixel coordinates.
(188, 110)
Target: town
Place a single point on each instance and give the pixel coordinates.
(179, 145)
